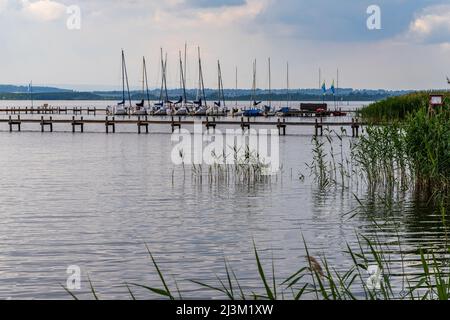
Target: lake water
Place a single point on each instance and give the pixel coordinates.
(94, 200)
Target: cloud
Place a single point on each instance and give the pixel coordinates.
(44, 10)
(216, 13)
(3, 5)
(307, 33)
(432, 25)
(214, 3)
(325, 20)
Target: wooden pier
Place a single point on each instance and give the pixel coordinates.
(78, 123)
(102, 111)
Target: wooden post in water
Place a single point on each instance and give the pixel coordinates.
(109, 123)
(77, 123)
(281, 127)
(353, 127)
(12, 122)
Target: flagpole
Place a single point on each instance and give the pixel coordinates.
(320, 78)
(334, 97)
(31, 94)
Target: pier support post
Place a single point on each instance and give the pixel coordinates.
(142, 124)
(12, 122)
(281, 127)
(109, 123)
(245, 125)
(318, 126)
(355, 128)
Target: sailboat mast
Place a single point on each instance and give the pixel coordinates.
(201, 82)
(162, 78)
(236, 86)
(123, 77)
(221, 92)
(143, 76)
(126, 76)
(254, 83)
(146, 82)
(287, 92)
(185, 66)
(183, 79)
(165, 80)
(270, 85)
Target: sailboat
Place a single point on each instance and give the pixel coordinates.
(219, 108)
(139, 109)
(253, 111)
(235, 111)
(163, 107)
(201, 104)
(268, 106)
(183, 110)
(120, 109)
(287, 111)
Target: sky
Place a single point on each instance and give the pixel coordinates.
(410, 51)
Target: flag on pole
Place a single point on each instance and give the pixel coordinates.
(324, 88)
(333, 88)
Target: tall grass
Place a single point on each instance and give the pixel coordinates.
(411, 152)
(427, 142)
(399, 107)
(242, 166)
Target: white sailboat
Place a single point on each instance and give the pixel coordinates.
(120, 109)
(139, 109)
(219, 108)
(183, 110)
(201, 104)
(254, 110)
(163, 107)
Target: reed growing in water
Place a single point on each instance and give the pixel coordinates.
(414, 146)
(399, 107)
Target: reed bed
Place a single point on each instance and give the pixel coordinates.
(399, 107)
(242, 166)
(414, 146)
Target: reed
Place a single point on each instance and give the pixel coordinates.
(245, 168)
(399, 107)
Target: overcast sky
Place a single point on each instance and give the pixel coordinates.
(411, 51)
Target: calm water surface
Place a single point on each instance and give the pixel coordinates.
(95, 200)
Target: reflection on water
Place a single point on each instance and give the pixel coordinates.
(95, 200)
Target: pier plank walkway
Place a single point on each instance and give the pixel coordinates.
(177, 122)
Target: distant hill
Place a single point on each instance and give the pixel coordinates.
(12, 92)
(5, 88)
